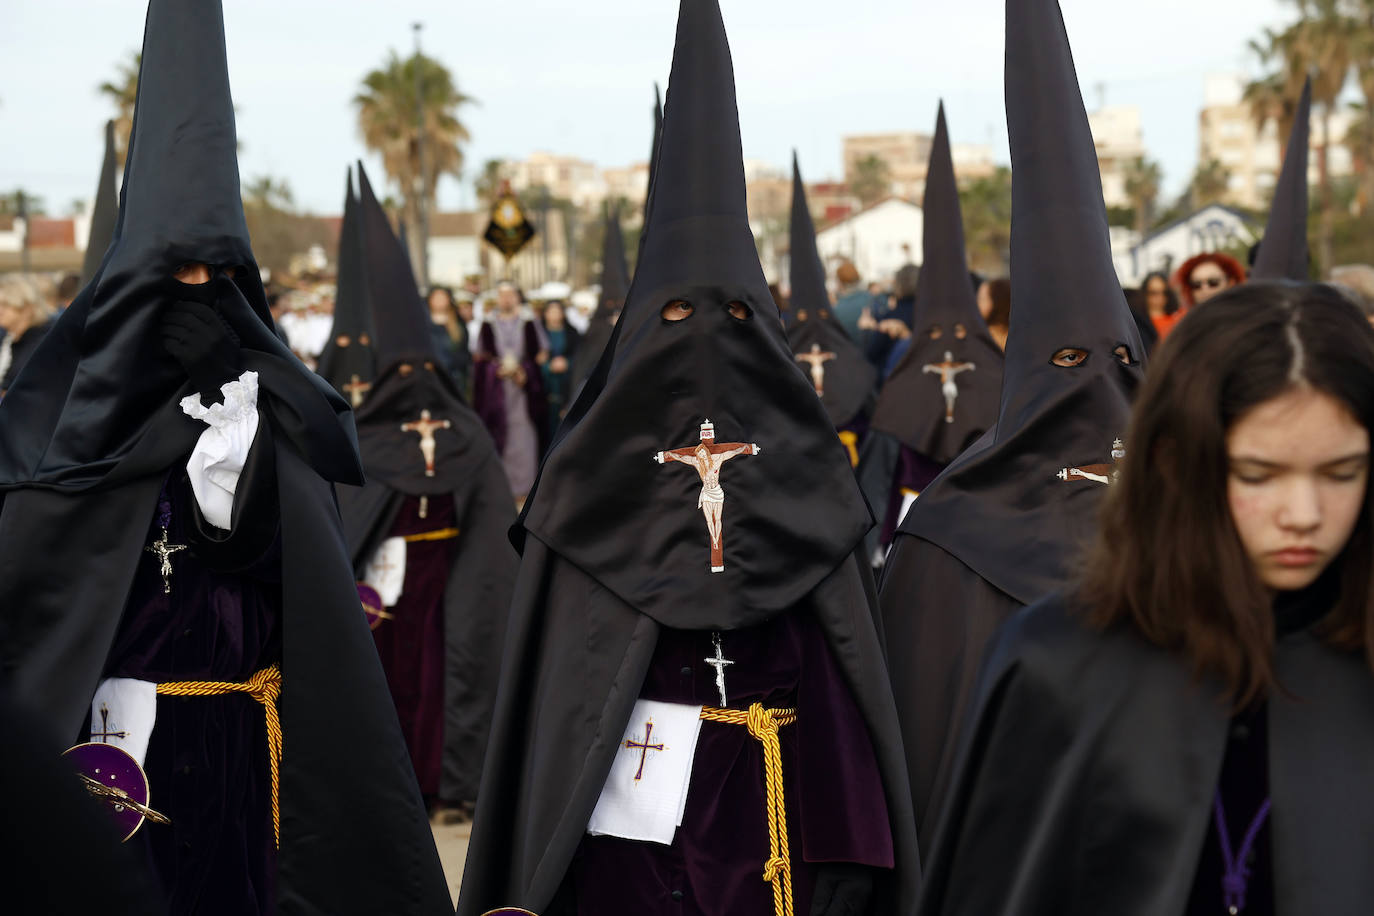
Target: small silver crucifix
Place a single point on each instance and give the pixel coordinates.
(163, 549)
(719, 663)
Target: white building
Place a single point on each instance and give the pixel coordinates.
(1119, 139)
(877, 239)
(455, 249)
(1213, 228)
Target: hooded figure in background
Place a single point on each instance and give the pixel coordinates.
(347, 361)
(104, 213)
(1283, 251)
(696, 535)
(615, 283)
(943, 394)
(174, 575)
(844, 381)
(999, 527)
(427, 534)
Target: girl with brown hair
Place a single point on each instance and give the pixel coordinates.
(1190, 730)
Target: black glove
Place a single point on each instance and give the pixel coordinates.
(842, 889)
(207, 348)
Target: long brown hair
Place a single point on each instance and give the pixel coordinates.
(1167, 559)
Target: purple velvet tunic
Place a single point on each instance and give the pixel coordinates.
(836, 806)
(207, 757)
(914, 472)
(411, 644)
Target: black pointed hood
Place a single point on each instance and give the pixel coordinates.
(846, 380)
(410, 379)
(615, 285)
(348, 361)
(1283, 252)
(608, 499)
(400, 319)
(653, 157)
(102, 404)
(950, 343)
(104, 212)
(1012, 507)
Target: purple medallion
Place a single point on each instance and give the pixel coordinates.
(372, 605)
(113, 776)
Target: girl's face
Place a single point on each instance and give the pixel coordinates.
(1299, 465)
(985, 299)
(1156, 295)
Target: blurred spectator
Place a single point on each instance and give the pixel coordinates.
(851, 298)
(883, 327)
(26, 317)
(994, 304)
(67, 289)
(1203, 276)
(563, 342)
(451, 337)
(1136, 301)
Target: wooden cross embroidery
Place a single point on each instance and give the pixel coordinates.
(644, 747)
(355, 390)
(426, 427)
(947, 370)
(105, 734)
(706, 458)
(1098, 473)
(817, 359)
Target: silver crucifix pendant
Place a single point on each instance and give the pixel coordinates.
(163, 549)
(719, 663)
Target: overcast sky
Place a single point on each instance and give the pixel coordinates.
(576, 77)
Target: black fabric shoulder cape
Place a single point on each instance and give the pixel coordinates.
(1087, 772)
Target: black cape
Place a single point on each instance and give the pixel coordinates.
(614, 543)
(466, 467)
(91, 428)
(1074, 734)
(1002, 524)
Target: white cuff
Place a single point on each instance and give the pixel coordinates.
(220, 453)
(123, 712)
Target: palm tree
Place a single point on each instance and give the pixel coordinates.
(1210, 184)
(387, 119)
(871, 180)
(1143, 178)
(487, 185)
(122, 91)
(986, 206)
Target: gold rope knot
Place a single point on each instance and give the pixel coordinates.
(265, 688)
(763, 725)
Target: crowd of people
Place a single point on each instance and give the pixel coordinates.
(940, 595)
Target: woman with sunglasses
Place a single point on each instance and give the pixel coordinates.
(1201, 277)
(1190, 729)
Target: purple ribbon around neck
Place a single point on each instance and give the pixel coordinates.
(1235, 878)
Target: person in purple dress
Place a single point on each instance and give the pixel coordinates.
(694, 714)
(171, 560)
(508, 387)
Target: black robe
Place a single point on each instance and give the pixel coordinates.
(558, 725)
(1087, 773)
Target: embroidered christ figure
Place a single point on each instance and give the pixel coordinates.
(1098, 473)
(355, 390)
(706, 458)
(426, 427)
(817, 360)
(947, 370)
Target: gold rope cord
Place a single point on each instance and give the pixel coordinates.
(265, 688)
(763, 724)
(443, 534)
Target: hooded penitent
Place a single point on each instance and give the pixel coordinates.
(436, 483)
(615, 283)
(618, 557)
(347, 361)
(944, 393)
(104, 213)
(1000, 527)
(1283, 252)
(842, 378)
(94, 427)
